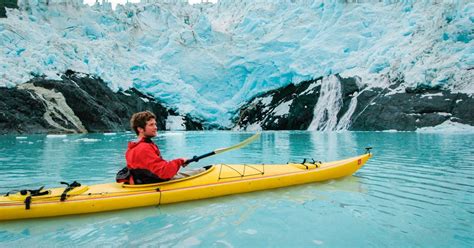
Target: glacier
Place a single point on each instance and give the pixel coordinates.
(208, 59)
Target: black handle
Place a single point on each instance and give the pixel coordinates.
(197, 158)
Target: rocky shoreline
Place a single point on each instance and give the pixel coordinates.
(337, 103)
(77, 103)
(80, 103)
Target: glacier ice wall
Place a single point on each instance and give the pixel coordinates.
(207, 59)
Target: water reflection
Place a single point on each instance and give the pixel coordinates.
(327, 145)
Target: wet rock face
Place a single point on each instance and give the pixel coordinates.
(76, 104)
(286, 108)
(410, 110)
(20, 112)
(337, 103)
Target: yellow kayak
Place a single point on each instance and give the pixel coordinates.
(216, 180)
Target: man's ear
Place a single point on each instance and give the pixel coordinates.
(140, 130)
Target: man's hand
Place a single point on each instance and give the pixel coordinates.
(185, 162)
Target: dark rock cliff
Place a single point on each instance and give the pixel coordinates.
(76, 104)
(79, 103)
(338, 103)
(267, 110)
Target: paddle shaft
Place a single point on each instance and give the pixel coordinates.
(221, 150)
(197, 158)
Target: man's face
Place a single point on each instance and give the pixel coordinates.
(150, 128)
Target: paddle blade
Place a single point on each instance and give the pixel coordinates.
(240, 145)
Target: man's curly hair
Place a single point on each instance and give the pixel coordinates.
(140, 119)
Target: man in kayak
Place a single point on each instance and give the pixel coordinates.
(144, 161)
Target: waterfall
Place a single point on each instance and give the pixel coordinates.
(345, 120)
(328, 105)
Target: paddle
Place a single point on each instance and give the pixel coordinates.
(225, 149)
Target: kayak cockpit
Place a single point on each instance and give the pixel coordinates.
(182, 176)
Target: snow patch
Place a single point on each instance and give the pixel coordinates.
(266, 100)
(431, 95)
(283, 108)
(311, 88)
(398, 90)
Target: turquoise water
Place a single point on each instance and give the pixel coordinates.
(417, 190)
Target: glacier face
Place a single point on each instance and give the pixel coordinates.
(208, 59)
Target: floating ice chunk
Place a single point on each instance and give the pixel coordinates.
(250, 231)
(223, 243)
(318, 242)
(189, 242)
(448, 127)
(87, 140)
(170, 134)
(56, 136)
(27, 142)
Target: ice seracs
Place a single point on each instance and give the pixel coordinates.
(208, 59)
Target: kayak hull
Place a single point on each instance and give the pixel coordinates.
(217, 180)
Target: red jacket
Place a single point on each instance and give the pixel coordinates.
(146, 164)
